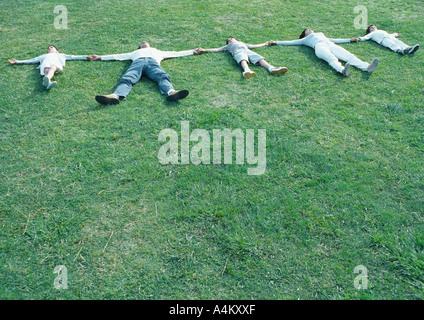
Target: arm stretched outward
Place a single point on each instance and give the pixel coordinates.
(72, 57)
(201, 50)
(119, 57)
(177, 54)
(297, 42)
(29, 61)
(265, 44)
(343, 40)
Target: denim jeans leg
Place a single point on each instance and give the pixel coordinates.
(130, 77)
(155, 72)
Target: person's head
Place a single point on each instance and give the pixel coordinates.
(52, 49)
(231, 39)
(371, 28)
(306, 33)
(144, 44)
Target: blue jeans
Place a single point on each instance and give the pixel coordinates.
(148, 67)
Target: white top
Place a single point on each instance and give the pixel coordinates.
(156, 54)
(311, 40)
(377, 36)
(236, 47)
(51, 59)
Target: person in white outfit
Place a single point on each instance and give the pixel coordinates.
(50, 64)
(243, 55)
(145, 62)
(388, 40)
(328, 50)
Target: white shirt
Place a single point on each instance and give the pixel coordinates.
(51, 59)
(156, 54)
(377, 36)
(311, 40)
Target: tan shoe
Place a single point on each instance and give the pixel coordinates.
(107, 99)
(248, 74)
(280, 70)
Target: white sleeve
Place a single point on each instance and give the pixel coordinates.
(296, 42)
(29, 61)
(339, 40)
(176, 54)
(72, 57)
(119, 57)
(366, 37)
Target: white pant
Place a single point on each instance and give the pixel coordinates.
(331, 53)
(393, 44)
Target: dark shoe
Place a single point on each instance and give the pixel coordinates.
(107, 99)
(177, 95)
(414, 48)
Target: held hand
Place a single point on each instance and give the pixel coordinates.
(12, 61)
(198, 51)
(271, 43)
(354, 40)
(94, 57)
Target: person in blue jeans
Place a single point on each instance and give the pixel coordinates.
(146, 62)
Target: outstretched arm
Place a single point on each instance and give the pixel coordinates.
(201, 50)
(296, 42)
(265, 44)
(177, 54)
(119, 57)
(72, 57)
(342, 40)
(33, 60)
(366, 37)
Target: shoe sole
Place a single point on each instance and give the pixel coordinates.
(346, 70)
(51, 85)
(415, 48)
(106, 100)
(248, 75)
(178, 95)
(45, 81)
(280, 71)
(374, 65)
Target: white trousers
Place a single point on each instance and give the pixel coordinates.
(331, 53)
(393, 44)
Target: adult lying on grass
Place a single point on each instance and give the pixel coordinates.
(146, 62)
(388, 40)
(327, 50)
(243, 55)
(50, 64)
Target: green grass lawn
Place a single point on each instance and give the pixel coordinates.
(81, 184)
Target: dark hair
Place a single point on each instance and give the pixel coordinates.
(233, 38)
(142, 42)
(303, 34)
(53, 47)
(369, 27)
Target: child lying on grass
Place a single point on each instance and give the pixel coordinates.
(388, 40)
(243, 55)
(50, 64)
